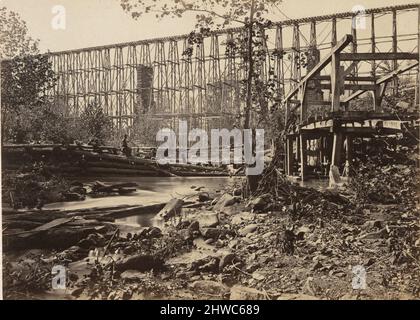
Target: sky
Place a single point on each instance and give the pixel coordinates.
(100, 22)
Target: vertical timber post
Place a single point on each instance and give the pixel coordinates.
(335, 82)
(290, 157)
(337, 147)
(303, 158)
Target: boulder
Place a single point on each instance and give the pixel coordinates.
(226, 260)
(210, 233)
(259, 203)
(244, 293)
(210, 287)
(171, 209)
(204, 196)
(224, 201)
(207, 219)
(242, 217)
(251, 228)
(140, 262)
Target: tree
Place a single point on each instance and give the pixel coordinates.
(96, 124)
(15, 40)
(26, 79)
(219, 14)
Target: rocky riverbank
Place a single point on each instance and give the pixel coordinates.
(298, 244)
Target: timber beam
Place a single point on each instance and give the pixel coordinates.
(369, 56)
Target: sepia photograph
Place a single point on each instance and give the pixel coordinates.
(210, 150)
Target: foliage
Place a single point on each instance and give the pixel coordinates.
(209, 13)
(15, 40)
(26, 79)
(95, 124)
(33, 187)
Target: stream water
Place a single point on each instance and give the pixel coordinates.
(150, 190)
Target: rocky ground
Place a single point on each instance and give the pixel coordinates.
(295, 243)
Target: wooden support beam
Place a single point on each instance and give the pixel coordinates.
(337, 148)
(378, 56)
(397, 72)
(348, 78)
(303, 156)
(383, 80)
(290, 158)
(364, 87)
(322, 64)
(335, 82)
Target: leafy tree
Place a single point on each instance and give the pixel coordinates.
(26, 78)
(95, 123)
(15, 40)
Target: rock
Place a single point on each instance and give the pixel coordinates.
(204, 196)
(244, 293)
(237, 192)
(207, 219)
(224, 201)
(242, 217)
(154, 232)
(210, 287)
(317, 265)
(186, 234)
(227, 259)
(259, 203)
(78, 189)
(73, 196)
(258, 276)
(77, 292)
(232, 244)
(208, 264)
(300, 233)
(292, 296)
(171, 209)
(92, 240)
(132, 275)
(140, 263)
(268, 235)
(212, 233)
(194, 226)
(251, 228)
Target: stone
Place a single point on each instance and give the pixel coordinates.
(237, 192)
(292, 296)
(204, 196)
(238, 292)
(242, 217)
(210, 233)
(132, 275)
(154, 232)
(139, 262)
(194, 226)
(186, 234)
(76, 292)
(210, 287)
(226, 260)
(224, 201)
(171, 209)
(251, 228)
(300, 233)
(259, 203)
(207, 219)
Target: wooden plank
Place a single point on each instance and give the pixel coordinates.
(364, 87)
(366, 56)
(322, 64)
(335, 82)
